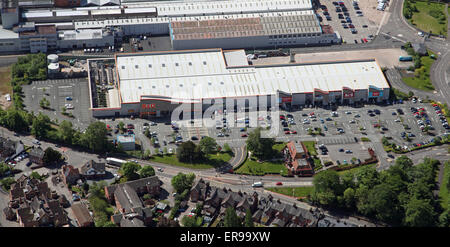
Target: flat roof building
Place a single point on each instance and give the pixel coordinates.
(158, 81)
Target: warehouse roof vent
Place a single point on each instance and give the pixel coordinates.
(204, 62)
(190, 63)
(136, 66)
(140, 87)
(149, 65)
(164, 65)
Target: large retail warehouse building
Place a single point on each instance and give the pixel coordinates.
(156, 83)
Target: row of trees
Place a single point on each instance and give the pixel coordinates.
(400, 196)
(190, 152)
(409, 9)
(132, 171)
(260, 147)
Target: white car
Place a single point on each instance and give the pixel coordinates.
(68, 106)
(420, 34)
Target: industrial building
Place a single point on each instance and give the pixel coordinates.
(266, 30)
(229, 24)
(154, 84)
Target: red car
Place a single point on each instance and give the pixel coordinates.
(287, 132)
(279, 183)
(130, 126)
(311, 114)
(282, 117)
(365, 40)
(293, 132)
(244, 135)
(434, 105)
(376, 125)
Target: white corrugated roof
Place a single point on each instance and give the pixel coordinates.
(195, 75)
(218, 7)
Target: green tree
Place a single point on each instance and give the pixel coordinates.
(182, 182)
(248, 221)
(384, 203)
(208, 145)
(147, 171)
(52, 156)
(231, 219)
(189, 152)
(129, 171)
(40, 126)
(95, 136)
(260, 147)
(121, 126)
(444, 218)
(327, 180)
(191, 221)
(16, 120)
(66, 131)
(419, 213)
(36, 175)
(349, 198)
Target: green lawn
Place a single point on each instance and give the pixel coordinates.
(444, 193)
(292, 191)
(279, 146)
(214, 160)
(310, 146)
(354, 170)
(422, 79)
(423, 20)
(252, 167)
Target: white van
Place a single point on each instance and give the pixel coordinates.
(257, 184)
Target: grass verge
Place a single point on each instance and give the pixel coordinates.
(421, 79)
(214, 160)
(292, 191)
(430, 17)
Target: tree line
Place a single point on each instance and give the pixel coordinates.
(400, 196)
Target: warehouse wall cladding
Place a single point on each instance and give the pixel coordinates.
(154, 84)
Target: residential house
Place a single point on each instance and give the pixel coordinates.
(37, 155)
(297, 159)
(199, 190)
(70, 174)
(138, 217)
(127, 198)
(150, 185)
(34, 204)
(92, 170)
(9, 147)
(264, 210)
(82, 215)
